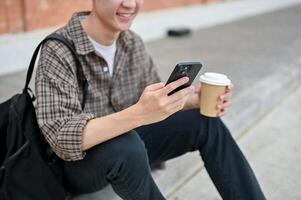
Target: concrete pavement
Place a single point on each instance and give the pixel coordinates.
(273, 149)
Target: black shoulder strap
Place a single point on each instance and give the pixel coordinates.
(82, 81)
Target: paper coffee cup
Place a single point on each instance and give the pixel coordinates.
(213, 85)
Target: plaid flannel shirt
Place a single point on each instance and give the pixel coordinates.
(59, 96)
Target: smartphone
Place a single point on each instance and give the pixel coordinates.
(189, 69)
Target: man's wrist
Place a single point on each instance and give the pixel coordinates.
(191, 103)
(135, 112)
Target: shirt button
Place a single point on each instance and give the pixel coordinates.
(105, 69)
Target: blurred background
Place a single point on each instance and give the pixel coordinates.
(28, 15)
(256, 43)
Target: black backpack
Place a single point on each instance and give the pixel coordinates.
(29, 168)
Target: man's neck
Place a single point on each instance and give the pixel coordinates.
(98, 32)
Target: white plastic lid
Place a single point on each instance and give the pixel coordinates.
(215, 79)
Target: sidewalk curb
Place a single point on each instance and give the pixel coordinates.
(246, 111)
(270, 90)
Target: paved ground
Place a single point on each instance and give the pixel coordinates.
(273, 149)
(246, 50)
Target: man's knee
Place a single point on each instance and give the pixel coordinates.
(214, 133)
(126, 154)
(127, 148)
(130, 148)
(119, 157)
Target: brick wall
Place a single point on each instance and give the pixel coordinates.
(10, 16)
(27, 15)
(3, 23)
(161, 4)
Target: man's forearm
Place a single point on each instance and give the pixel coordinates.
(101, 129)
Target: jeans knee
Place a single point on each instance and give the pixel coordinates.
(128, 155)
(220, 128)
(134, 153)
(130, 147)
(216, 136)
(214, 126)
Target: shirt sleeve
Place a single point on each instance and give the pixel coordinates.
(58, 108)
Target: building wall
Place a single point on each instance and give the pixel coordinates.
(27, 15)
(10, 16)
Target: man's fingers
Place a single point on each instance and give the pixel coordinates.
(229, 87)
(176, 106)
(225, 105)
(181, 94)
(225, 97)
(221, 114)
(154, 87)
(197, 89)
(173, 85)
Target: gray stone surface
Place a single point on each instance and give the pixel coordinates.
(273, 149)
(247, 50)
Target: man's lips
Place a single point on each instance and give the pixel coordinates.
(125, 17)
(125, 14)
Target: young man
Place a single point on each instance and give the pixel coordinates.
(129, 122)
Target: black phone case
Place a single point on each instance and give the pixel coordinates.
(190, 69)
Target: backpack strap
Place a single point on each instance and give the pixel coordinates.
(82, 81)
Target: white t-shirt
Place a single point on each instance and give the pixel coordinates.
(107, 52)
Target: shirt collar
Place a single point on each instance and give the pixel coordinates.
(80, 38)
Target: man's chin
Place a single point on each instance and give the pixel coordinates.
(124, 27)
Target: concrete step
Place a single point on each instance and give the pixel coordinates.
(272, 147)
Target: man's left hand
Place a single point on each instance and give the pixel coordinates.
(225, 99)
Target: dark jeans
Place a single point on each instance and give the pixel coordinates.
(124, 161)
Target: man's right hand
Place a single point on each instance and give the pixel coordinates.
(155, 105)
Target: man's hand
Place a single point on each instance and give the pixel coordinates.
(194, 100)
(155, 105)
(225, 101)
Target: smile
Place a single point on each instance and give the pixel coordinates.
(125, 14)
(125, 17)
